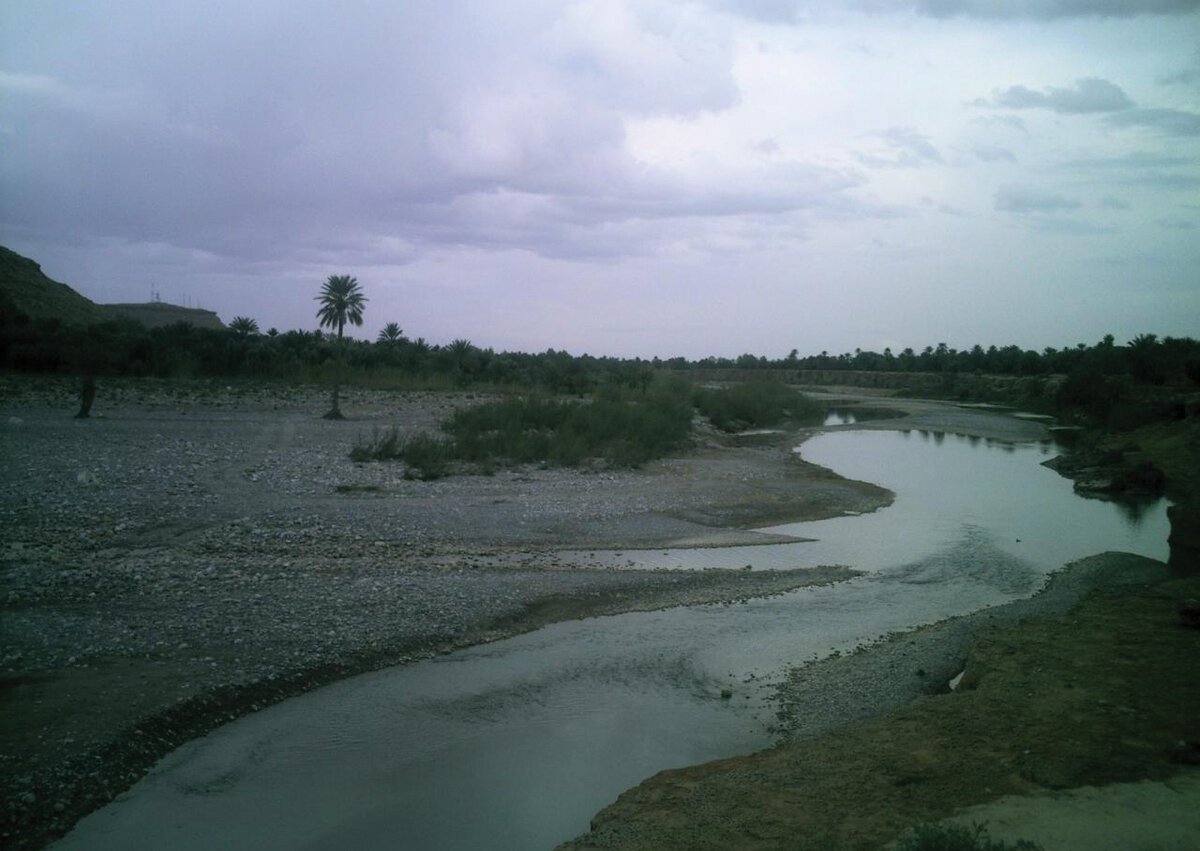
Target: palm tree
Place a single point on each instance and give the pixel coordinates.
(390, 335)
(243, 326)
(341, 301)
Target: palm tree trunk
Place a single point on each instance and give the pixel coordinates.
(334, 412)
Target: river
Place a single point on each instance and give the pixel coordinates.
(515, 744)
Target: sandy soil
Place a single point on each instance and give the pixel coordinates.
(196, 551)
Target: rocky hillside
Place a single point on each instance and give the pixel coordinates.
(25, 289)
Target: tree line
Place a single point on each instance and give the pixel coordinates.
(123, 347)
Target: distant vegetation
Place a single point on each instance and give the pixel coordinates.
(46, 327)
(755, 405)
(619, 427)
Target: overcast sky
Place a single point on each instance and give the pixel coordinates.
(629, 177)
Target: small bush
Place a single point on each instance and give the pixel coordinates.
(932, 837)
(426, 457)
(757, 405)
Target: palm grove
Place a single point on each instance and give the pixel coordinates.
(1104, 380)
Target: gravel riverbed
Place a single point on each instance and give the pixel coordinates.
(195, 551)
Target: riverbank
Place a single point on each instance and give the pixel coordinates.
(1103, 694)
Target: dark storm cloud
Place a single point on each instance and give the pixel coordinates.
(184, 130)
(625, 219)
(1089, 95)
(1028, 199)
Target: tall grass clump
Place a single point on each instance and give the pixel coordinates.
(755, 405)
(932, 837)
(620, 427)
(427, 457)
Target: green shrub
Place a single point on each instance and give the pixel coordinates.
(623, 428)
(953, 837)
(427, 457)
(756, 405)
(620, 431)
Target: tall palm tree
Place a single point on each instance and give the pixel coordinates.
(341, 301)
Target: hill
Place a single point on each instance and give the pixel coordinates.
(155, 314)
(25, 289)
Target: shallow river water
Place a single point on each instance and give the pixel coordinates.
(515, 744)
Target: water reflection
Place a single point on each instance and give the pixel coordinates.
(853, 415)
(943, 484)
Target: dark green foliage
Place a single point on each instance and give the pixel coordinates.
(1090, 391)
(342, 301)
(931, 837)
(622, 432)
(243, 326)
(757, 405)
(47, 327)
(616, 429)
(390, 334)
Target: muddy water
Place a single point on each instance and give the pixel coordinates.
(514, 745)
